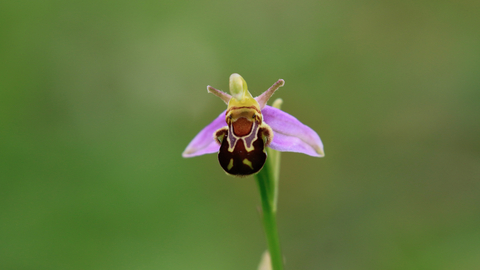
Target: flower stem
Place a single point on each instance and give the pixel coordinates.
(270, 225)
(268, 191)
(267, 180)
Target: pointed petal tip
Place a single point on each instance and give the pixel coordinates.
(187, 153)
(197, 149)
(222, 95)
(319, 150)
(191, 151)
(265, 96)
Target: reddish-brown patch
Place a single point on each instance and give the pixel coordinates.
(234, 162)
(242, 127)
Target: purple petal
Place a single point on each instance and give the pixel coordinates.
(290, 135)
(204, 142)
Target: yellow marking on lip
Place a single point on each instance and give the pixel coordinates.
(243, 108)
(230, 165)
(231, 145)
(248, 163)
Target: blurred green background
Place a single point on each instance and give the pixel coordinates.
(99, 98)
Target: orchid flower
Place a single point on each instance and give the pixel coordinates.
(241, 134)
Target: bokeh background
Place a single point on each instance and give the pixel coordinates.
(99, 98)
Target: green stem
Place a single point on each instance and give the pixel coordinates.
(268, 187)
(267, 180)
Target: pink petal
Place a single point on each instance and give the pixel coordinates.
(265, 96)
(204, 142)
(290, 135)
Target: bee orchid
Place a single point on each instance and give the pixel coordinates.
(241, 134)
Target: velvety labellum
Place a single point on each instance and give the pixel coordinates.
(236, 159)
(242, 142)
